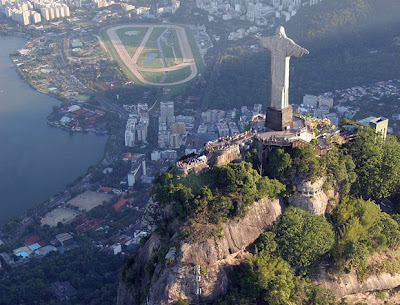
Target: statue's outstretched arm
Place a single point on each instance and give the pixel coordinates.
(294, 49)
(264, 41)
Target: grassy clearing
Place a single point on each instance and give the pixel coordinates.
(152, 76)
(84, 24)
(131, 42)
(175, 76)
(171, 48)
(173, 41)
(197, 182)
(150, 48)
(156, 33)
(44, 90)
(169, 54)
(116, 57)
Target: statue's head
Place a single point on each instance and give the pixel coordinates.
(280, 30)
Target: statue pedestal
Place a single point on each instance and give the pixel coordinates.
(279, 120)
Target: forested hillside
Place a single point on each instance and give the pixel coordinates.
(279, 266)
(350, 43)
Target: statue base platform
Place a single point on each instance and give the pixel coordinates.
(279, 119)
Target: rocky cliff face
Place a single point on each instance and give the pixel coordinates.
(348, 284)
(199, 271)
(310, 196)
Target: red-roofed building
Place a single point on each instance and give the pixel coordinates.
(119, 204)
(41, 243)
(105, 189)
(99, 112)
(78, 221)
(92, 224)
(80, 111)
(32, 239)
(93, 118)
(129, 156)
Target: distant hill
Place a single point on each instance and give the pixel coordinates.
(350, 42)
(330, 18)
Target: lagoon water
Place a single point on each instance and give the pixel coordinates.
(36, 160)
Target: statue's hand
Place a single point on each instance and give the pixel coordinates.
(305, 51)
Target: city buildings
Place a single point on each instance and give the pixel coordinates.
(34, 11)
(171, 8)
(167, 113)
(379, 124)
(172, 134)
(346, 103)
(260, 12)
(137, 124)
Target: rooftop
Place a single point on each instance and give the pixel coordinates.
(371, 119)
(119, 204)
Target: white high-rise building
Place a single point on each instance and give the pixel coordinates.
(129, 138)
(26, 17)
(45, 13)
(36, 18)
(66, 10)
(57, 11)
(62, 12)
(52, 13)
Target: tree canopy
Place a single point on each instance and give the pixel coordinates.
(303, 237)
(377, 164)
(231, 189)
(268, 279)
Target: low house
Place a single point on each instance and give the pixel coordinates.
(65, 239)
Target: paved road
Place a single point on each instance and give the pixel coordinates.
(131, 62)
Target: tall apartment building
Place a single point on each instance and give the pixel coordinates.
(141, 130)
(167, 113)
(35, 18)
(212, 116)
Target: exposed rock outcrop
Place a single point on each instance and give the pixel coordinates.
(375, 298)
(348, 284)
(310, 196)
(200, 270)
(225, 155)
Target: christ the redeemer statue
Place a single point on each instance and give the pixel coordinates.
(282, 48)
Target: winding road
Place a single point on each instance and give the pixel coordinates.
(131, 62)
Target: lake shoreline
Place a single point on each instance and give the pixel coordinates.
(44, 102)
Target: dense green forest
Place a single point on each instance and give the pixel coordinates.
(342, 37)
(94, 276)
